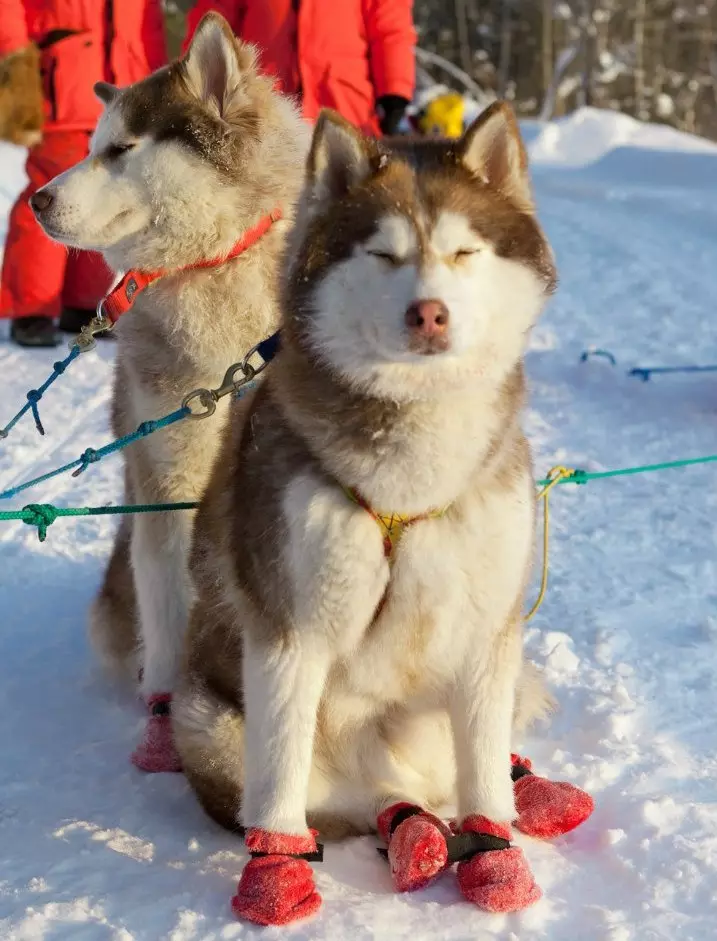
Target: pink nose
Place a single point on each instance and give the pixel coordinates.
(427, 318)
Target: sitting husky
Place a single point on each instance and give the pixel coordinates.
(362, 551)
(193, 174)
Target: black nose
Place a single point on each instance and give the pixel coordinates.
(41, 201)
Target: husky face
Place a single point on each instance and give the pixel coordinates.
(167, 158)
(419, 267)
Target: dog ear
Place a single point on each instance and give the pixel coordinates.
(216, 66)
(339, 158)
(106, 92)
(493, 150)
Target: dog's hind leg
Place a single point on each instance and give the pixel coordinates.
(160, 550)
(113, 617)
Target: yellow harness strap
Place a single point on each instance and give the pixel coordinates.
(392, 525)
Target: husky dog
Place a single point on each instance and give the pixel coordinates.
(182, 166)
(362, 551)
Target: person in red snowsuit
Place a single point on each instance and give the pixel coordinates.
(356, 56)
(74, 43)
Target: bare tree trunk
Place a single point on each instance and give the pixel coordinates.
(588, 41)
(464, 46)
(639, 39)
(547, 44)
(506, 36)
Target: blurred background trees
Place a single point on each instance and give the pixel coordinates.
(653, 59)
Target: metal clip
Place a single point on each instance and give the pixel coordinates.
(231, 385)
(86, 338)
(247, 367)
(206, 399)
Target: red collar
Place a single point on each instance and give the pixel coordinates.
(122, 297)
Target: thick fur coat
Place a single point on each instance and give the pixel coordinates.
(325, 680)
(182, 164)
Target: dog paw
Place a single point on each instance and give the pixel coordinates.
(547, 809)
(157, 751)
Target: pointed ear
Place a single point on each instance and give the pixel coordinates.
(106, 92)
(217, 64)
(340, 156)
(492, 149)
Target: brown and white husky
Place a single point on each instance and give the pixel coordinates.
(362, 552)
(183, 165)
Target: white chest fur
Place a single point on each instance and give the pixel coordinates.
(452, 583)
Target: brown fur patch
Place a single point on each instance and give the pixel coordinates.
(21, 104)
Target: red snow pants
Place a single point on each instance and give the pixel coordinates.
(40, 277)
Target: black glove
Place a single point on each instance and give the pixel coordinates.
(390, 109)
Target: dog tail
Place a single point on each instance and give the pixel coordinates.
(113, 617)
(533, 699)
(209, 734)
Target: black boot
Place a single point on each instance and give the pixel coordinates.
(73, 319)
(34, 331)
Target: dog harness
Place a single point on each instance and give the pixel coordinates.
(124, 294)
(392, 525)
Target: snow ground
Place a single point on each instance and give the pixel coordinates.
(92, 850)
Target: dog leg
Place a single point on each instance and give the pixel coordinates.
(160, 548)
(283, 684)
(493, 874)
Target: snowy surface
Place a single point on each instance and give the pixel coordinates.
(92, 850)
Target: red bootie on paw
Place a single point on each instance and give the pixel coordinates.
(157, 751)
(496, 880)
(417, 848)
(277, 888)
(545, 808)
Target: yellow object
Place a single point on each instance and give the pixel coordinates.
(444, 116)
(393, 525)
(555, 476)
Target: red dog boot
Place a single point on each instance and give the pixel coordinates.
(157, 751)
(277, 885)
(545, 808)
(494, 875)
(417, 848)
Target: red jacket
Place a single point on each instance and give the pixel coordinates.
(350, 52)
(82, 42)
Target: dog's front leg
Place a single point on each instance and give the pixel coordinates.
(492, 874)
(160, 547)
(283, 683)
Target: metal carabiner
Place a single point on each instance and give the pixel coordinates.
(248, 368)
(206, 398)
(230, 384)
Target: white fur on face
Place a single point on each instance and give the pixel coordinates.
(97, 202)
(361, 305)
(143, 208)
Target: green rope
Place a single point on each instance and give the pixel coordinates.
(43, 515)
(583, 477)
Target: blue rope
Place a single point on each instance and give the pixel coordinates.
(92, 456)
(34, 395)
(606, 354)
(644, 372)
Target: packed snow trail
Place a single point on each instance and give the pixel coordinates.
(91, 849)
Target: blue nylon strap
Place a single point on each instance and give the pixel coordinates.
(268, 348)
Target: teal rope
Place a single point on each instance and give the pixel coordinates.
(43, 515)
(34, 395)
(91, 456)
(584, 477)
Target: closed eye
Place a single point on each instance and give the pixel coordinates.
(387, 257)
(117, 150)
(463, 253)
